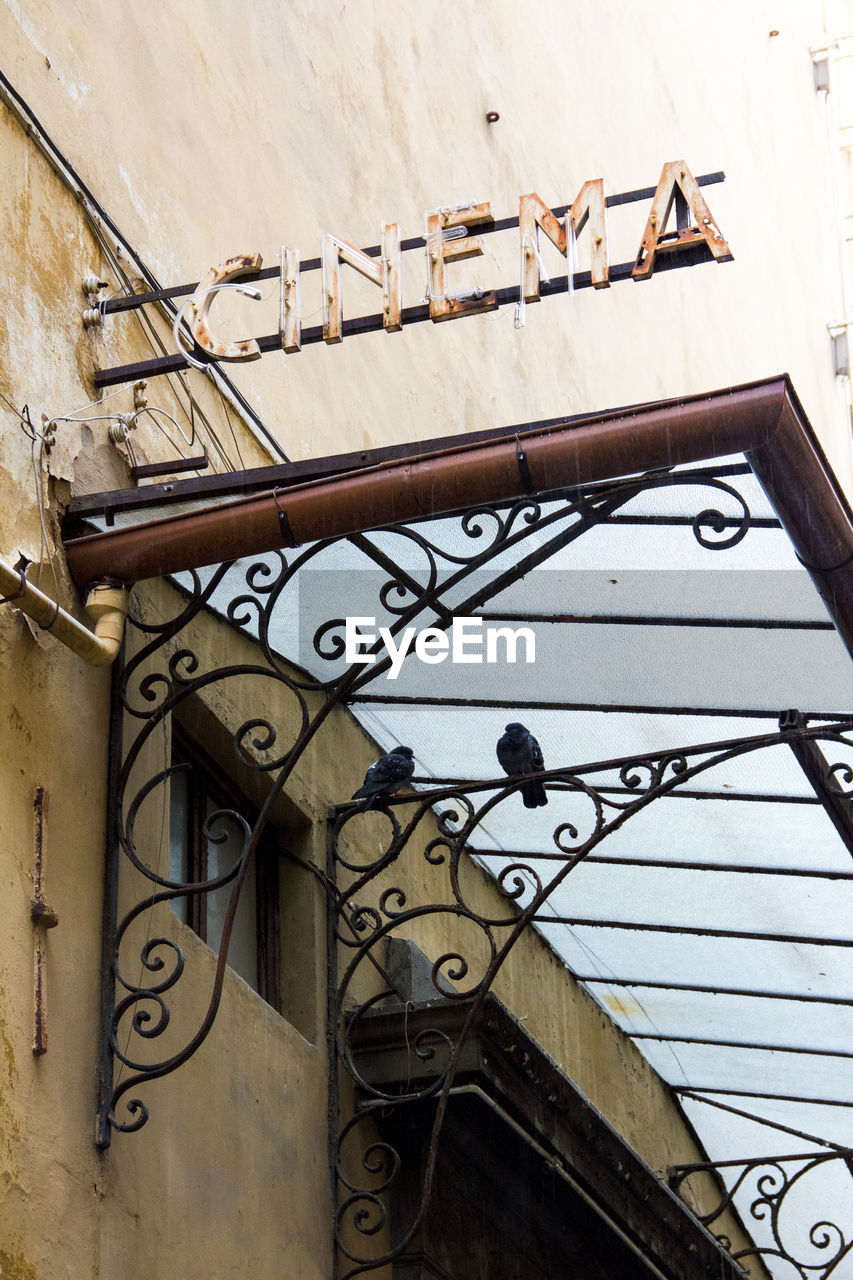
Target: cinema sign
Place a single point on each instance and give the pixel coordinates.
(695, 237)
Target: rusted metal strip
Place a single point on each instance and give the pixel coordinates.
(765, 420)
(597, 448)
(283, 475)
(690, 255)
(825, 783)
(173, 467)
(609, 708)
(43, 918)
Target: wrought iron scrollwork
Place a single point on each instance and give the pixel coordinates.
(779, 1195)
(428, 578)
(526, 886)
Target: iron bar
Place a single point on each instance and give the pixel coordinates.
(645, 926)
(234, 483)
(412, 242)
(668, 864)
(757, 1093)
(681, 794)
(800, 997)
(763, 1120)
(684, 522)
(738, 1044)
(109, 915)
(607, 708)
(703, 1166)
(661, 620)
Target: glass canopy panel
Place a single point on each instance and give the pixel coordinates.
(656, 666)
(744, 964)
(733, 832)
(754, 1071)
(774, 596)
(749, 1019)
(695, 899)
(821, 1192)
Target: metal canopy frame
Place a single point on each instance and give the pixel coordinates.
(365, 906)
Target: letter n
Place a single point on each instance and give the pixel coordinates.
(383, 271)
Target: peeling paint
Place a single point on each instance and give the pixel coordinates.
(16, 1267)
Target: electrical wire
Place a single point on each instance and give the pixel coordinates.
(151, 410)
(40, 438)
(99, 221)
(156, 344)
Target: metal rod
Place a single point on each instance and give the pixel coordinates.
(816, 767)
(763, 1120)
(708, 1165)
(690, 256)
(679, 794)
(666, 864)
(660, 620)
(738, 1044)
(607, 708)
(591, 979)
(644, 926)
(753, 1093)
(686, 522)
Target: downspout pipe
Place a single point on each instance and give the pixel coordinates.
(764, 420)
(106, 605)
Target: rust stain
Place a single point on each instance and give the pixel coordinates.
(627, 1006)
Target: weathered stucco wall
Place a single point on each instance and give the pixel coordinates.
(245, 128)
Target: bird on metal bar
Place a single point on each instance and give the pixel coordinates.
(518, 752)
(384, 778)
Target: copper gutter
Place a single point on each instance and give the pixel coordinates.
(763, 420)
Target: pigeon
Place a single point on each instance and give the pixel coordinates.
(518, 752)
(385, 777)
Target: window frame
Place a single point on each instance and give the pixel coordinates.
(207, 780)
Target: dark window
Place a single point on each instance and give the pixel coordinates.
(205, 839)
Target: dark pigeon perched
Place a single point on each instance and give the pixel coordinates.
(519, 752)
(382, 779)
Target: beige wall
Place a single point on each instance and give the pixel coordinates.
(208, 129)
(230, 1172)
(241, 128)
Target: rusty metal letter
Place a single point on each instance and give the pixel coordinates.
(442, 248)
(244, 264)
(589, 206)
(383, 271)
(677, 183)
(291, 300)
(532, 214)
